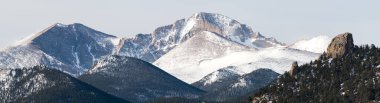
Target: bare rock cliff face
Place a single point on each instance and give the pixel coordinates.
(341, 45)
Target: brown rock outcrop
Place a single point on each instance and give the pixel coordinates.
(294, 70)
(341, 45)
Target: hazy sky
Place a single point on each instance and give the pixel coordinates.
(286, 20)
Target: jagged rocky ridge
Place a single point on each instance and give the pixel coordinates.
(150, 47)
(136, 80)
(43, 85)
(350, 75)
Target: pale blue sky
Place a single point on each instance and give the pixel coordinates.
(286, 20)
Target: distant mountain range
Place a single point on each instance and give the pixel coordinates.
(207, 57)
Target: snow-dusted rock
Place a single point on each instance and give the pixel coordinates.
(151, 47)
(71, 48)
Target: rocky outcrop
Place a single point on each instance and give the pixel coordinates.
(294, 69)
(341, 45)
(349, 78)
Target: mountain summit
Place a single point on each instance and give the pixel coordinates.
(72, 48)
(150, 47)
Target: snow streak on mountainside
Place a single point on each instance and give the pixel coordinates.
(279, 59)
(317, 44)
(75, 46)
(136, 80)
(150, 47)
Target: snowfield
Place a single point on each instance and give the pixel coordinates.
(317, 44)
(197, 58)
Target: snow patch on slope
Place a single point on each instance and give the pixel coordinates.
(276, 58)
(242, 83)
(317, 44)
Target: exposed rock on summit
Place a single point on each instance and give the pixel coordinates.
(341, 45)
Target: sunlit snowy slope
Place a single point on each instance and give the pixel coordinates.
(195, 67)
(316, 44)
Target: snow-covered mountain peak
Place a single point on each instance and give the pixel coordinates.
(214, 18)
(60, 25)
(224, 23)
(66, 32)
(150, 47)
(75, 46)
(316, 44)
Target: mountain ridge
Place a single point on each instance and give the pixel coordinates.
(165, 38)
(44, 85)
(70, 42)
(136, 80)
(75, 46)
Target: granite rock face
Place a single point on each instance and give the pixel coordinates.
(341, 45)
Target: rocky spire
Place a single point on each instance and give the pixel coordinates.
(294, 70)
(341, 45)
